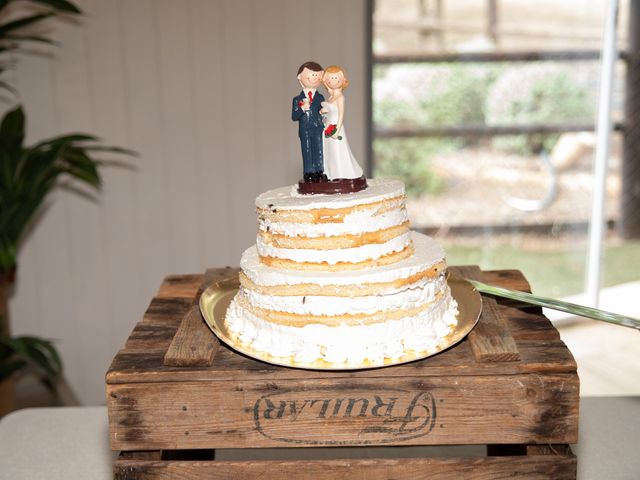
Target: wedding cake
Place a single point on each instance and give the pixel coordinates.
(340, 279)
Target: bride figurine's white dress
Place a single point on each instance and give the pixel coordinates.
(339, 162)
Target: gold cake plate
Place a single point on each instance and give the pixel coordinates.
(216, 299)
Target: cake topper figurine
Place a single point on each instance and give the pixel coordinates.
(339, 162)
(328, 164)
(306, 111)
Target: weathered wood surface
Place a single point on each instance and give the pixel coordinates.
(237, 402)
(193, 345)
(491, 339)
(349, 412)
(528, 467)
(550, 356)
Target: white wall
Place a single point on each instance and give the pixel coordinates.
(202, 90)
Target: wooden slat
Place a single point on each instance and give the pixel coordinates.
(491, 340)
(527, 326)
(141, 367)
(193, 344)
(513, 279)
(167, 310)
(148, 336)
(344, 411)
(180, 286)
(532, 467)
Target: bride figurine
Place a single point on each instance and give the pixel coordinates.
(339, 162)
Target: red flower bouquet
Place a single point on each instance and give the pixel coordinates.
(331, 130)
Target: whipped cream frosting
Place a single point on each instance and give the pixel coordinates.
(413, 296)
(390, 339)
(371, 251)
(289, 198)
(427, 253)
(357, 222)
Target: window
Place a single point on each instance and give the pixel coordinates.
(486, 110)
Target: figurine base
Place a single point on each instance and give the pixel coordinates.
(338, 185)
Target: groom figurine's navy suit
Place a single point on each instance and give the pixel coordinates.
(310, 131)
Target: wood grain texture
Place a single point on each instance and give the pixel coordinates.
(491, 340)
(141, 367)
(538, 467)
(332, 412)
(193, 344)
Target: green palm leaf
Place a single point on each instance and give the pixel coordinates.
(29, 173)
(68, 138)
(103, 148)
(80, 166)
(60, 5)
(11, 36)
(30, 38)
(23, 22)
(12, 131)
(19, 352)
(7, 86)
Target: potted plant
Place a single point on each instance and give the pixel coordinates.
(28, 173)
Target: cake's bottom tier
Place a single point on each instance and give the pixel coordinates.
(351, 344)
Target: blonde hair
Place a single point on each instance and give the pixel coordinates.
(336, 69)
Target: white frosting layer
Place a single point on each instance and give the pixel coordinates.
(418, 294)
(427, 253)
(370, 251)
(289, 198)
(346, 344)
(359, 221)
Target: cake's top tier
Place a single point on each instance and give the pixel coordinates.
(288, 198)
(334, 232)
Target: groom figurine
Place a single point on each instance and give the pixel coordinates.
(306, 111)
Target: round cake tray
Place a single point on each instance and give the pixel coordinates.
(216, 299)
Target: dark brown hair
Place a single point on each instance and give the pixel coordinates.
(313, 66)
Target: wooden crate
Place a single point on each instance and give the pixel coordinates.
(175, 395)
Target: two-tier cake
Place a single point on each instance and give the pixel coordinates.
(341, 279)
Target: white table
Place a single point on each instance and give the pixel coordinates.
(72, 442)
